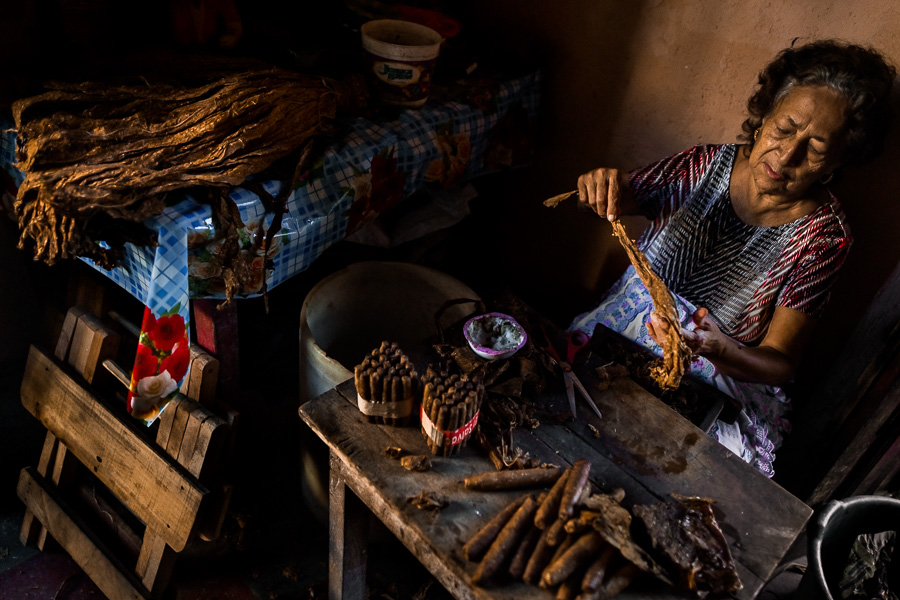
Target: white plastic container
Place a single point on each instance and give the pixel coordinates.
(401, 57)
(348, 314)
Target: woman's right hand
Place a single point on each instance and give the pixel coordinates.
(606, 191)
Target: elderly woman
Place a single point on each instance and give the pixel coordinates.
(748, 237)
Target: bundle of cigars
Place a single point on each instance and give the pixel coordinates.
(549, 540)
(450, 408)
(387, 385)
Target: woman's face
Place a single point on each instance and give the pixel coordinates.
(799, 142)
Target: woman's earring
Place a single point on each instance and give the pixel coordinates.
(756, 134)
(827, 179)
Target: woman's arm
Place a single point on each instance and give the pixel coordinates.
(772, 362)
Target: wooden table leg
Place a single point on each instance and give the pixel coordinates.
(348, 537)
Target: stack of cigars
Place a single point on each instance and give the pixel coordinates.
(549, 540)
(387, 385)
(450, 404)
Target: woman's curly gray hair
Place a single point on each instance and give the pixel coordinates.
(860, 74)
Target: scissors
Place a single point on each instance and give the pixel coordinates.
(575, 341)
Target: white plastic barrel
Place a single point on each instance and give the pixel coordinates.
(348, 314)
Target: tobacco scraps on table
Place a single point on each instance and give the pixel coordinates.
(578, 542)
(416, 462)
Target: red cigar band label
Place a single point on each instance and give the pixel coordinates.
(447, 438)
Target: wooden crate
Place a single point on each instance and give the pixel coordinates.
(171, 484)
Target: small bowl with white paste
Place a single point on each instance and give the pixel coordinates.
(494, 335)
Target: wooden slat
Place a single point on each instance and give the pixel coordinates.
(159, 492)
(203, 377)
(76, 538)
(176, 435)
(75, 343)
(33, 533)
(92, 343)
(155, 563)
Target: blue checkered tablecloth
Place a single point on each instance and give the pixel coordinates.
(317, 211)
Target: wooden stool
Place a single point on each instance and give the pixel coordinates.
(170, 484)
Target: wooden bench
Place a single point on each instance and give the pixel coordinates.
(170, 484)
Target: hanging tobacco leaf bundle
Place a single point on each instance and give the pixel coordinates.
(99, 159)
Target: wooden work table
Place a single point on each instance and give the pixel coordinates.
(642, 446)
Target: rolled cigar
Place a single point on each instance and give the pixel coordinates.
(569, 589)
(523, 553)
(407, 394)
(572, 491)
(475, 548)
(556, 533)
(468, 413)
(443, 416)
(581, 521)
(548, 511)
(538, 560)
(616, 582)
(506, 541)
(357, 380)
(596, 571)
(509, 479)
(561, 549)
(385, 395)
(452, 425)
(435, 407)
(578, 554)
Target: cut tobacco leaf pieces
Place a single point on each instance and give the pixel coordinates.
(687, 538)
(418, 462)
(428, 501)
(614, 525)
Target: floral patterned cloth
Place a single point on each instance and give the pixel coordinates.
(758, 430)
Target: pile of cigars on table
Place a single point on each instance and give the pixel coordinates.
(562, 534)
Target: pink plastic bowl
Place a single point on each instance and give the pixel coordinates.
(494, 335)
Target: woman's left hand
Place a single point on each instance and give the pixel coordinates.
(706, 339)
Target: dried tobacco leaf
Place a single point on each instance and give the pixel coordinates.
(418, 462)
(676, 353)
(428, 501)
(115, 150)
(685, 534)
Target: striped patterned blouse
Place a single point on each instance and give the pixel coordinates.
(706, 254)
